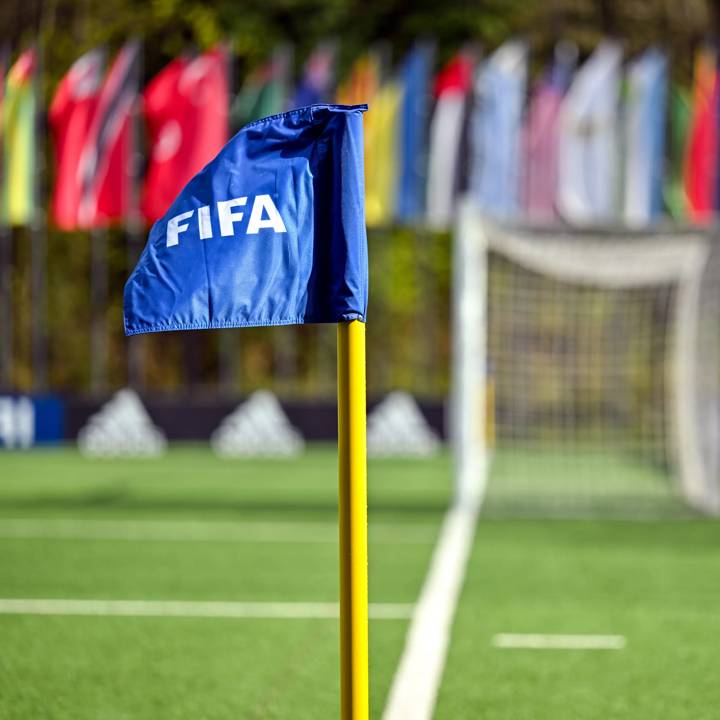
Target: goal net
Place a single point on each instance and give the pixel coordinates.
(586, 368)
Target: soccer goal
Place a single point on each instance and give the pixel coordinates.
(586, 368)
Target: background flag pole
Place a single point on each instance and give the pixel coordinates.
(354, 702)
(134, 223)
(6, 300)
(38, 226)
(99, 301)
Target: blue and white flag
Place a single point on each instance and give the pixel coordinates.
(416, 77)
(271, 232)
(495, 127)
(645, 109)
(588, 139)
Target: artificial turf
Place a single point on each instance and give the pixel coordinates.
(655, 582)
(75, 528)
(254, 530)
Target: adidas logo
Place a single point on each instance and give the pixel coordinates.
(121, 427)
(396, 427)
(258, 427)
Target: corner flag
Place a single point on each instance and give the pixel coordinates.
(272, 232)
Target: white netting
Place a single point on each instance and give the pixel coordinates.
(598, 357)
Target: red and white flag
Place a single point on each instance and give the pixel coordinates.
(186, 114)
(70, 116)
(105, 164)
(452, 88)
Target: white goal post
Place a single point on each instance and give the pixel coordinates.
(627, 321)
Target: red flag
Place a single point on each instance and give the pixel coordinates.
(186, 111)
(70, 115)
(457, 75)
(700, 175)
(104, 165)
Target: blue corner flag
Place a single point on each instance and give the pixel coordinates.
(271, 232)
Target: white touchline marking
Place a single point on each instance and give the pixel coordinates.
(199, 609)
(196, 531)
(415, 686)
(559, 642)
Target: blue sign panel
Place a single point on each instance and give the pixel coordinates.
(27, 420)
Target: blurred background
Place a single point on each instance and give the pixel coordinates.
(542, 192)
(62, 326)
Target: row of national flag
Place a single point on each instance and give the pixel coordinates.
(602, 141)
(95, 138)
(185, 109)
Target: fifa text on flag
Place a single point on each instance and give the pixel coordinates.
(264, 214)
(270, 232)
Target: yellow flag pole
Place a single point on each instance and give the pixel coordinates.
(354, 694)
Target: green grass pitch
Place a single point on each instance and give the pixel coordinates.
(192, 527)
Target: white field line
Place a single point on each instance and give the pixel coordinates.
(415, 686)
(558, 642)
(187, 609)
(195, 531)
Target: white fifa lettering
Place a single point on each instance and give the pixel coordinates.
(226, 215)
(204, 224)
(263, 215)
(264, 203)
(175, 226)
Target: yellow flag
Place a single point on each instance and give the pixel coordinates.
(361, 85)
(18, 117)
(381, 155)
(380, 123)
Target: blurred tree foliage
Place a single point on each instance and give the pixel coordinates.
(410, 268)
